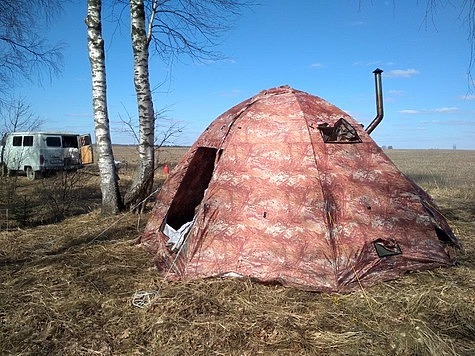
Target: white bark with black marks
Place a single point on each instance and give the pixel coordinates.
(143, 180)
(111, 201)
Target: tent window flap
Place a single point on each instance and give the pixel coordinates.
(341, 132)
(385, 248)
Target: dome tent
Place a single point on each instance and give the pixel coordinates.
(285, 187)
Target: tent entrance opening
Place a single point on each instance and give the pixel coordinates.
(192, 188)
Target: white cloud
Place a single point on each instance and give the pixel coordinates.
(316, 65)
(443, 110)
(401, 73)
(410, 112)
(467, 97)
(446, 110)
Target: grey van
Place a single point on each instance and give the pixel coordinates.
(38, 152)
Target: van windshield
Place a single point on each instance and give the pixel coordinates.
(53, 141)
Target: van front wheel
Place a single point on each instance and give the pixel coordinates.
(31, 174)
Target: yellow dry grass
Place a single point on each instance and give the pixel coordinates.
(81, 287)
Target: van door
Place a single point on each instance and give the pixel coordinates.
(52, 152)
(21, 154)
(87, 156)
(70, 150)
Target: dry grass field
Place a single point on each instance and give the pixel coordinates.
(74, 283)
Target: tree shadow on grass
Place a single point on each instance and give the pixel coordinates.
(461, 218)
(38, 255)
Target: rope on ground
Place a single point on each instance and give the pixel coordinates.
(142, 298)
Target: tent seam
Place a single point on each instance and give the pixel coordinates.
(328, 218)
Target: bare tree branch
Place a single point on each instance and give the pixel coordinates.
(469, 5)
(168, 28)
(18, 116)
(166, 129)
(23, 52)
(168, 133)
(188, 27)
(434, 8)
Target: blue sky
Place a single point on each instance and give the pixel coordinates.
(327, 48)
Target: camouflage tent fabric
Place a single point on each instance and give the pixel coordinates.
(285, 187)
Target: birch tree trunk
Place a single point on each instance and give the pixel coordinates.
(143, 180)
(111, 201)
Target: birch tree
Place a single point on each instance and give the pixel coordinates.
(143, 179)
(111, 200)
(170, 28)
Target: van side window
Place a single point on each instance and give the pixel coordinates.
(70, 141)
(27, 140)
(53, 141)
(17, 140)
